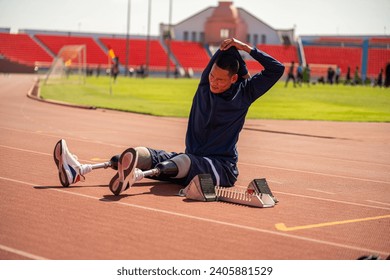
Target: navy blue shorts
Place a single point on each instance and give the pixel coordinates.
(224, 173)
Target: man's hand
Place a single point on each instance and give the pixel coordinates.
(232, 42)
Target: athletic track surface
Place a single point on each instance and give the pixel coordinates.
(332, 180)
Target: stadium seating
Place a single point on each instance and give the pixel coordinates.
(22, 49)
(340, 41)
(190, 54)
(285, 54)
(377, 60)
(323, 52)
(344, 57)
(379, 41)
(253, 66)
(137, 49)
(95, 55)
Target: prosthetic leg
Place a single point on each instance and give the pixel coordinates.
(71, 171)
(128, 174)
(201, 188)
(166, 169)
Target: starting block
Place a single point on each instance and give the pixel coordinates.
(257, 194)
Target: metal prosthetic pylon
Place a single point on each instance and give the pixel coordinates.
(154, 172)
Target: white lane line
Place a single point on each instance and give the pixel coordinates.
(321, 191)
(329, 200)
(378, 202)
(21, 253)
(316, 156)
(25, 150)
(291, 194)
(315, 173)
(68, 137)
(240, 163)
(333, 200)
(38, 153)
(249, 228)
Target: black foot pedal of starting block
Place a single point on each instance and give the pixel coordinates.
(207, 186)
(200, 188)
(261, 188)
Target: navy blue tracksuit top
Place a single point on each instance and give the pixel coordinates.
(216, 120)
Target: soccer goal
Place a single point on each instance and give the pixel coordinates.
(69, 66)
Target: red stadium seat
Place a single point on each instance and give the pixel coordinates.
(377, 60)
(137, 50)
(95, 55)
(190, 54)
(285, 54)
(21, 48)
(344, 57)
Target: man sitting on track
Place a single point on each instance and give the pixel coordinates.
(217, 116)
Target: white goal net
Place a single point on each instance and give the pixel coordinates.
(69, 66)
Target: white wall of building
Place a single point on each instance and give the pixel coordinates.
(194, 24)
(259, 32)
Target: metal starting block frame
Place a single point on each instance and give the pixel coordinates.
(257, 194)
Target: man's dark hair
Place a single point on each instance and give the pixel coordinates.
(228, 62)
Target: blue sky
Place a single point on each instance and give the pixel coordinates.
(310, 17)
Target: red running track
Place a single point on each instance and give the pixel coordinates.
(332, 180)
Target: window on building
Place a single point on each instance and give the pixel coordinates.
(201, 37)
(263, 39)
(193, 36)
(248, 38)
(224, 33)
(185, 36)
(255, 39)
(286, 40)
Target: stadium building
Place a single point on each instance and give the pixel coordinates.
(214, 24)
(189, 44)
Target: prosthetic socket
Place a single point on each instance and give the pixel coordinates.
(162, 171)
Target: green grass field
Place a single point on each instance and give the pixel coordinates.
(173, 97)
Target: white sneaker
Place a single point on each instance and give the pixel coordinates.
(69, 169)
(127, 174)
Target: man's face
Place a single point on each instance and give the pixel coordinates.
(220, 80)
